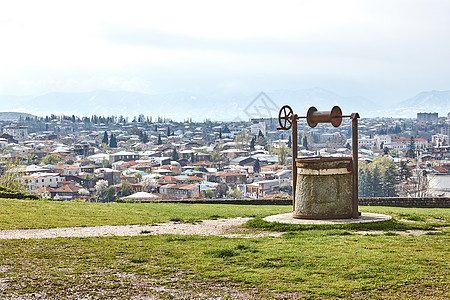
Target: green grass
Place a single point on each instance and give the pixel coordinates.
(310, 262)
(311, 265)
(21, 214)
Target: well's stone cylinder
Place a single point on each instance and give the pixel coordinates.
(324, 188)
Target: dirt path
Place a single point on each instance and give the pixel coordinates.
(219, 227)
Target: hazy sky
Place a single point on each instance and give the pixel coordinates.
(383, 50)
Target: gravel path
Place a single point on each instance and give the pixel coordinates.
(219, 227)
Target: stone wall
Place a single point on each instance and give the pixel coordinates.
(394, 201)
(406, 202)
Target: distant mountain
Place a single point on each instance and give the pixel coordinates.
(226, 107)
(176, 105)
(323, 100)
(430, 101)
(12, 116)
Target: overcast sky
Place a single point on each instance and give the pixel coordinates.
(383, 50)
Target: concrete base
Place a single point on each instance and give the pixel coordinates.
(364, 218)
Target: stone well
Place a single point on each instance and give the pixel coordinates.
(324, 188)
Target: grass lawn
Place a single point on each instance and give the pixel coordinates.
(306, 262)
(23, 214)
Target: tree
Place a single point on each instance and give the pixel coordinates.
(304, 140)
(362, 183)
(100, 188)
(235, 193)
(149, 184)
(289, 144)
(83, 192)
(252, 144)
(126, 189)
(261, 139)
(144, 137)
(159, 139)
(174, 154)
(242, 140)
(411, 148)
(376, 182)
(50, 159)
(113, 141)
(32, 159)
(215, 157)
(106, 163)
(208, 194)
(105, 138)
(282, 154)
(256, 166)
(138, 176)
(390, 181)
(12, 176)
(192, 157)
(220, 135)
(168, 131)
(110, 194)
(403, 170)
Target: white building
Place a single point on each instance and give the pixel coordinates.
(37, 180)
(381, 140)
(439, 140)
(403, 144)
(3, 143)
(19, 133)
(439, 185)
(257, 127)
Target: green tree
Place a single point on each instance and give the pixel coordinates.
(110, 194)
(126, 189)
(208, 194)
(261, 139)
(106, 163)
(113, 141)
(192, 157)
(256, 166)
(304, 140)
(235, 193)
(105, 138)
(50, 159)
(282, 154)
(144, 137)
(32, 159)
(369, 180)
(13, 172)
(289, 144)
(174, 154)
(403, 170)
(390, 181)
(215, 156)
(252, 144)
(159, 139)
(411, 152)
(362, 183)
(376, 182)
(138, 176)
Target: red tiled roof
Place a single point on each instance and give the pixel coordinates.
(67, 188)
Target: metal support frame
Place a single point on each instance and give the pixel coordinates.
(294, 157)
(288, 120)
(355, 197)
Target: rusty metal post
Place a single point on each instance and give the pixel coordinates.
(294, 157)
(355, 199)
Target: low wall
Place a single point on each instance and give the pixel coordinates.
(392, 201)
(234, 201)
(406, 202)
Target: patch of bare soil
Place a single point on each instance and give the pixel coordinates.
(406, 232)
(219, 227)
